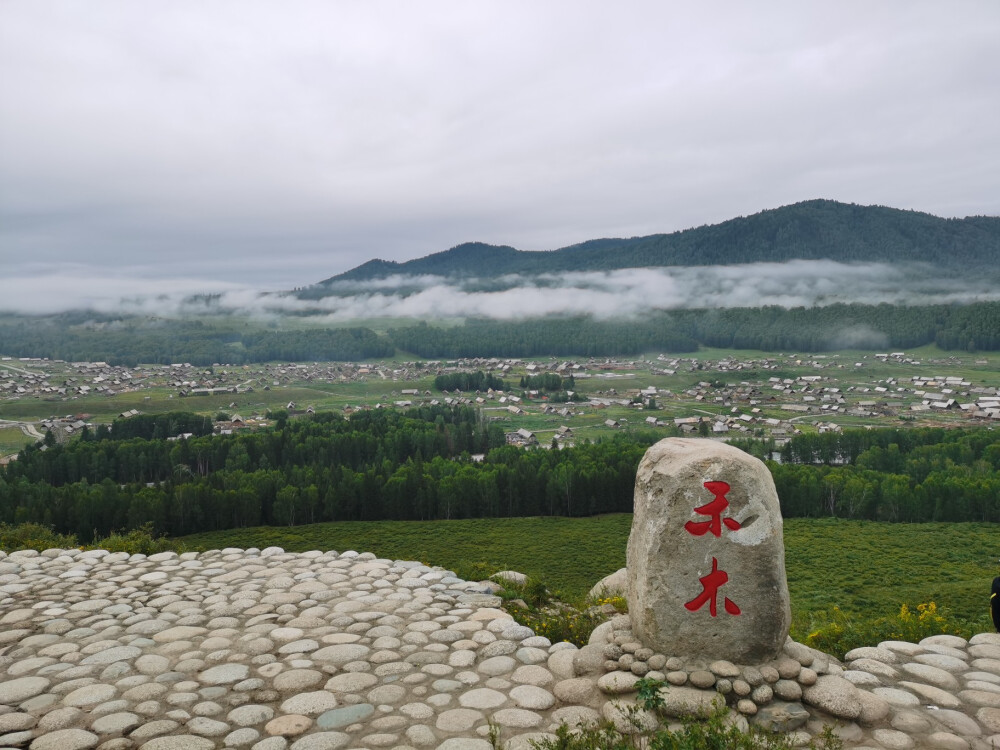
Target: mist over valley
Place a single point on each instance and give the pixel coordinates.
(810, 254)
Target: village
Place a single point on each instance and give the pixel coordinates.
(771, 397)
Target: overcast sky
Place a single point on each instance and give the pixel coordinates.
(170, 145)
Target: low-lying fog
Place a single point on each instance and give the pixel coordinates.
(622, 293)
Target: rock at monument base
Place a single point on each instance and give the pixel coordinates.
(873, 708)
(599, 636)
(510, 576)
(685, 701)
(617, 683)
(615, 584)
(835, 695)
(780, 716)
(628, 717)
(589, 660)
(706, 561)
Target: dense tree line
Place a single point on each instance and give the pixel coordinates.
(846, 326)
(155, 426)
(344, 344)
(927, 474)
(368, 437)
(548, 336)
(547, 381)
(771, 328)
(469, 381)
(868, 448)
(377, 465)
(416, 466)
(130, 341)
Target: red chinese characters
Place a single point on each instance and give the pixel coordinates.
(710, 585)
(713, 509)
(712, 582)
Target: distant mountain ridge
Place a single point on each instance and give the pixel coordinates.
(810, 230)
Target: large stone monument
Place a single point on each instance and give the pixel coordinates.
(706, 560)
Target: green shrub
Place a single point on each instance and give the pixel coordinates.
(558, 623)
(474, 571)
(618, 601)
(532, 592)
(37, 537)
(33, 536)
(546, 614)
(842, 632)
(137, 541)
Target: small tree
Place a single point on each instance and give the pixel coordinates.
(286, 505)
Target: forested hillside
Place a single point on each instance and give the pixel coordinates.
(810, 230)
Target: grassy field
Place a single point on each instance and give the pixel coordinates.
(861, 567)
(323, 396)
(570, 554)
(12, 440)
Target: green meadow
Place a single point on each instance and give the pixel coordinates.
(12, 440)
(866, 569)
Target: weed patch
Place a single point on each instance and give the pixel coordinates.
(715, 732)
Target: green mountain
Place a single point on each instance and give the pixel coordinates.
(811, 230)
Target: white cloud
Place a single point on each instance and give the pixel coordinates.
(627, 292)
(80, 289)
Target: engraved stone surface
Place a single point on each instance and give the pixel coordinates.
(706, 557)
